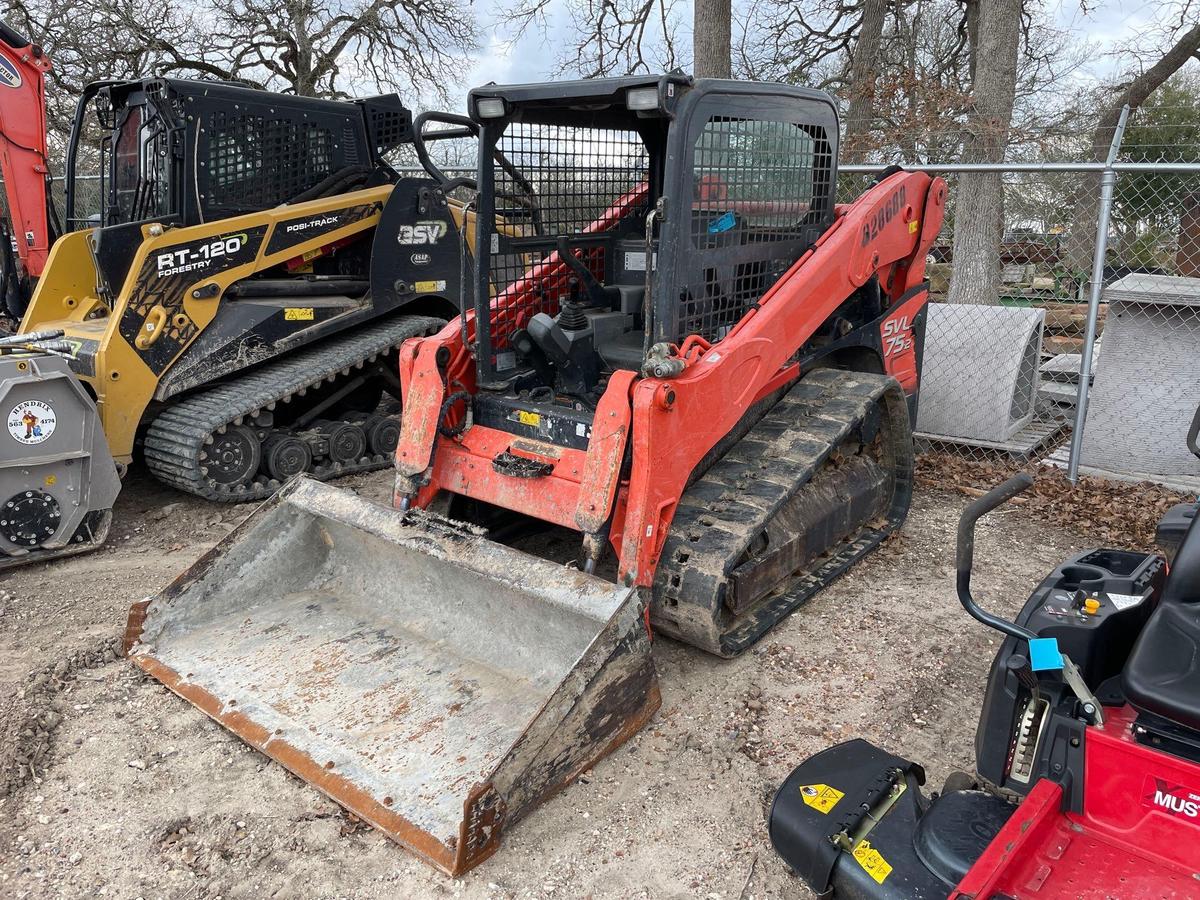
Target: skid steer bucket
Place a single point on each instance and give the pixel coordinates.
(437, 684)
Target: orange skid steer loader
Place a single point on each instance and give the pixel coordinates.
(678, 348)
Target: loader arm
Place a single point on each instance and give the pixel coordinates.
(23, 163)
(675, 423)
(886, 232)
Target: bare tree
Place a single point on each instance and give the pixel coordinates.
(85, 44)
(619, 37)
(328, 48)
(995, 29)
(712, 35)
(610, 37)
(863, 74)
(1132, 92)
(801, 43)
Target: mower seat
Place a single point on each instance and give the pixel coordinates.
(1162, 675)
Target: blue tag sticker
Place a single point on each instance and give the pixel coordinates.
(1044, 655)
(724, 223)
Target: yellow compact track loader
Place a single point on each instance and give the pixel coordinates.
(235, 307)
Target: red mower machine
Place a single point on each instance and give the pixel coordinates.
(1088, 753)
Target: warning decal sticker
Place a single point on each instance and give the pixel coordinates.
(31, 422)
(872, 861)
(820, 797)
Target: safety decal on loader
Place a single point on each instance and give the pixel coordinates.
(872, 861)
(820, 797)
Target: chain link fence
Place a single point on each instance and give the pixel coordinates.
(1115, 244)
(1087, 357)
(1145, 378)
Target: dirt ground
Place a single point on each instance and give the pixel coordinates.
(112, 786)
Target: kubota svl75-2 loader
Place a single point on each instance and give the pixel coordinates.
(676, 346)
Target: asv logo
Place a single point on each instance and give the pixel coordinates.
(1174, 798)
(421, 233)
(897, 336)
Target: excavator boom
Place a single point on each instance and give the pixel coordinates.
(23, 158)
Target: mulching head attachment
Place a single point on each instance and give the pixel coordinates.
(58, 481)
(435, 683)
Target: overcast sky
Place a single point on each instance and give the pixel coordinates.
(532, 57)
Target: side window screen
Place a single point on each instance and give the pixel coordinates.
(255, 162)
(139, 176)
(127, 163)
(760, 193)
(751, 174)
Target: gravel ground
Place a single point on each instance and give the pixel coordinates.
(112, 786)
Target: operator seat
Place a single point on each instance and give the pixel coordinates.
(1162, 675)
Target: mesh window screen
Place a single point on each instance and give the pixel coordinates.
(139, 170)
(552, 182)
(755, 186)
(255, 162)
(389, 126)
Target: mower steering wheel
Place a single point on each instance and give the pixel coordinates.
(965, 553)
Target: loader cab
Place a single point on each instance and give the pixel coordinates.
(621, 215)
(182, 153)
(195, 151)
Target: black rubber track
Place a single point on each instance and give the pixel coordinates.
(176, 439)
(723, 511)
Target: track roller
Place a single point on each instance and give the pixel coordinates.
(284, 456)
(242, 439)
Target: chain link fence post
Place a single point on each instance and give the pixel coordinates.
(1108, 179)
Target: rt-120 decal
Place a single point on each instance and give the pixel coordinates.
(164, 278)
(197, 256)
